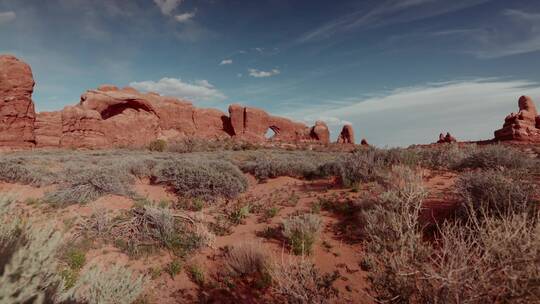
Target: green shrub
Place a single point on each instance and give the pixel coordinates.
(75, 259)
(206, 179)
(174, 268)
(197, 274)
(158, 145)
(302, 232)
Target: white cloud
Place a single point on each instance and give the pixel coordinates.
(168, 6)
(226, 61)
(6, 17)
(200, 90)
(185, 17)
(331, 121)
(387, 13)
(261, 74)
(469, 110)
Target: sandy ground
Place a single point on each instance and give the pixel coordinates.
(334, 250)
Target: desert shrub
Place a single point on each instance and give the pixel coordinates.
(158, 145)
(495, 193)
(302, 232)
(480, 261)
(301, 282)
(152, 226)
(28, 271)
(446, 156)
(196, 273)
(115, 285)
(366, 165)
(206, 179)
(497, 157)
(269, 166)
(27, 257)
(19, 171)
(246, 259)
(174, 267)
(90, 184)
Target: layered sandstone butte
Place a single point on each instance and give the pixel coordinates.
(17, 113)
(523, 125)
(110, 117)
(346, 136)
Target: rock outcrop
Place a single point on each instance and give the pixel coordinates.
(110, 117)
(446, 139)
(523, 125)
(48, 129)
(17, 115)
(320, 132)
(346, 136)
(253, 124)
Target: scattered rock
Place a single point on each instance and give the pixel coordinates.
(446, 139)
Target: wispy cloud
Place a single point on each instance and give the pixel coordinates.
(168, 6)
(226, 61)
(469, 109)
(262, 74)
(200, 90)
(6, 17)
(386, 13)
(185, 17)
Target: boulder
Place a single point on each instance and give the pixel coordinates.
(523, 125)
(364, 142)
(17, 114)
(346, 136)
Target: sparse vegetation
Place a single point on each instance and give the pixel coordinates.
(158, 145)
(115, 285)
(301, 282)
(88, 185)
(481, 260)
(302, 232)
(27, 257)
(247, 259)
(206, 179)
(496, 193)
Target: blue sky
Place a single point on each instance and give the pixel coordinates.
(400, 71)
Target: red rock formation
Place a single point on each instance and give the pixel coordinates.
(364, 142)
(346, 136)
(521, 126)
(17, 113)
(252, 124)
(320, 132)
(446, 139)
(111, 117)
(48, 129)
